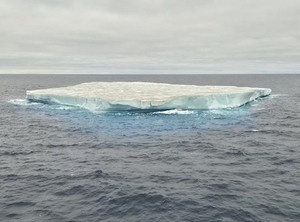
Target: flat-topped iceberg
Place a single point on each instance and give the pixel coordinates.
(146, 96)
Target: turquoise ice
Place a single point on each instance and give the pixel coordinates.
(146, 96)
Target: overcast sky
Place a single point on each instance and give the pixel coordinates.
(149, 36)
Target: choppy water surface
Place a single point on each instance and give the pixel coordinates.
(59, 163)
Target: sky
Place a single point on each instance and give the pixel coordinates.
(149, 36)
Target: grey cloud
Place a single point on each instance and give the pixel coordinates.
(149, 36)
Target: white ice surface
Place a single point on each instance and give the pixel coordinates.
(144, 96)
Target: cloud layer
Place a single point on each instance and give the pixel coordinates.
(149, 36)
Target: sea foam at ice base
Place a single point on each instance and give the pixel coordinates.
(146, 96)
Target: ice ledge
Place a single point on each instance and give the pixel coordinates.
(144, 96)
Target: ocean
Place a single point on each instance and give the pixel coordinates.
(60, 163)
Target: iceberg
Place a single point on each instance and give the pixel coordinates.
(146, 96)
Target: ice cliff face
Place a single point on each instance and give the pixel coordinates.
(142, 96)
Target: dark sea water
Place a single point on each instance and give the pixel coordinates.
(60, 163)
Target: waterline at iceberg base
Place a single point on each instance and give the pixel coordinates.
(146, 96)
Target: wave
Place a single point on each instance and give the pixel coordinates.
(175, 111)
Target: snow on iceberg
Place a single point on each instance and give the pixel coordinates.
(146, 96)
